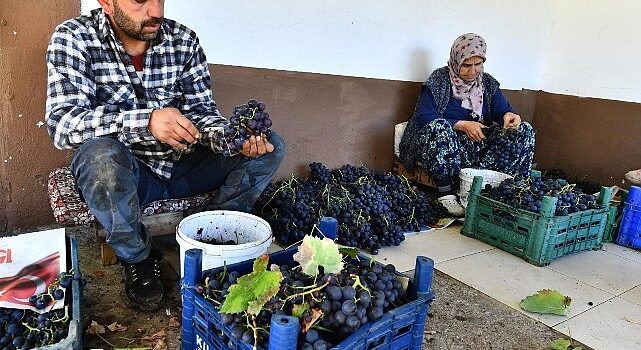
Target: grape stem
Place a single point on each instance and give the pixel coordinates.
(357, 283)
(316, 289)
(254, 328)
(224, 274)
(283, 187)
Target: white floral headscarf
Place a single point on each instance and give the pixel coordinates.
(470, 93)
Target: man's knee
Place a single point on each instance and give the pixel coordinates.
(104, 150)
(103, 157)
(279, 146)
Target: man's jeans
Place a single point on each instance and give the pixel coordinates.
(115, 185)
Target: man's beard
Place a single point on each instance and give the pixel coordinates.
(133, 29)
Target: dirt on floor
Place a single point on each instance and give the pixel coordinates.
(106, 304)
(459, 318)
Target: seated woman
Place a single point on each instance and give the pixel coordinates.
(462, 120)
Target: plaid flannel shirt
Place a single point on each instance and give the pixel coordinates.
(93, 89)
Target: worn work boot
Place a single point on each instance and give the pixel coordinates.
(634, 177)
(143, 286)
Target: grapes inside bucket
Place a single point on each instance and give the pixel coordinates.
(225, 237)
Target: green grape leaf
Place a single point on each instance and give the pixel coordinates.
(349, 251)
(314, 252)
(299, 309)
(560, 344)
(547, 301)
(252, 291)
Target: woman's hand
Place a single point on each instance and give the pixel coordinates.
(511, 120)
(473, 130)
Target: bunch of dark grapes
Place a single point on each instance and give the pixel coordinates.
(27, 329)
(347, 305)
(54, 292)
(504, 148)
(373, 209)
(585, 185)
(360, 293)
(528, 194)
(246, 120)
(215, 288)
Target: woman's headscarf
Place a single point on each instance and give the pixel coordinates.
(471, 93)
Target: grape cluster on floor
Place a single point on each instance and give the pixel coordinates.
(246, 120)
(26, 329)
(361, 292)
(373, 209)
(528, 194)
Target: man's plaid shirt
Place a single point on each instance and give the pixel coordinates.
(93, 89)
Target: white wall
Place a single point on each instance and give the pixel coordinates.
(594, 49)
(531, 44)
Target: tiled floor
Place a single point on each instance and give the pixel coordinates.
(605, 285)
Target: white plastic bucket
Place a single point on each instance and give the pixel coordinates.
(253, 234)
(491, 177)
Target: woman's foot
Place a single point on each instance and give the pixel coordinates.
(451, 204)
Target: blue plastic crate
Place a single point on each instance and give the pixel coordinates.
(400, 328)
(74, 335)
(630, 227)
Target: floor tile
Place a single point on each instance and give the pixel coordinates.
(439, 245)
(633, 295)
(442, 245)
(609, 272)
(509, 279)
(274, 247)
(396, 256)
(625, 252)
(613, 325)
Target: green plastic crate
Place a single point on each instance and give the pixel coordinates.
(537, 238)
(615, 209)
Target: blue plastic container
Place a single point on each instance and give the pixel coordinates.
(630, 226)
(328, 226)
(634, 196)
(400, 328)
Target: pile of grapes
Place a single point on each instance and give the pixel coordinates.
(584, 184)
(246, 120)
(26, 329)
(373, 210)
(336, 304)
(528, 194)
